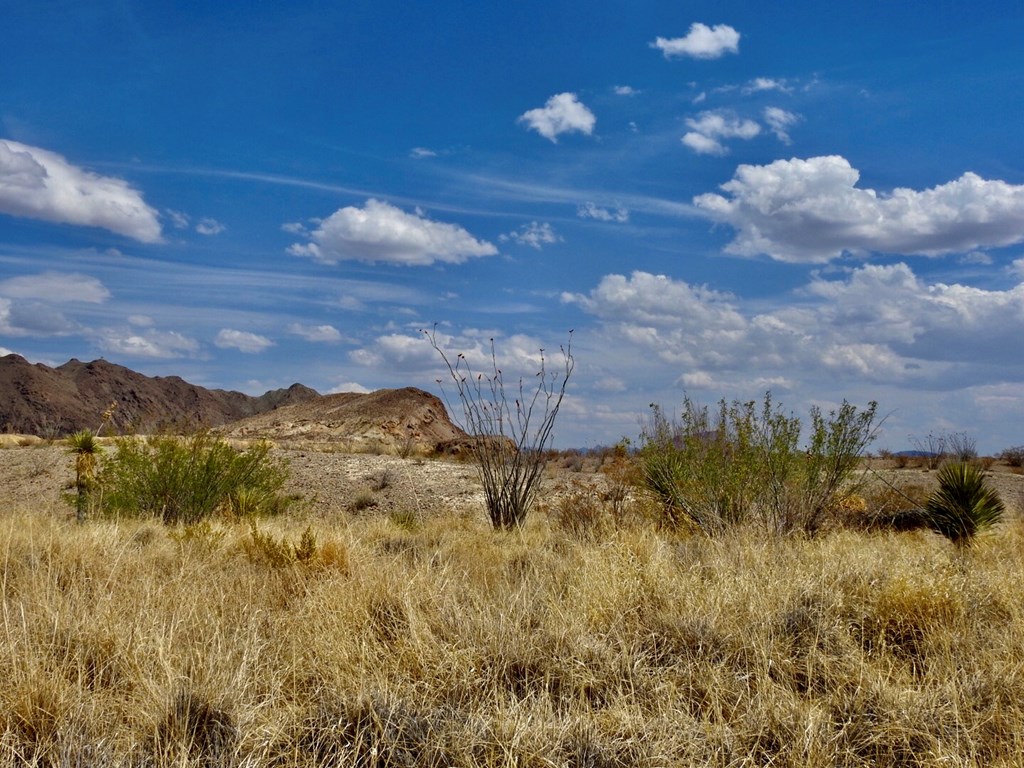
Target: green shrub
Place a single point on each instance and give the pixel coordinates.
(185, 480)
(745, 464)
(964, 505)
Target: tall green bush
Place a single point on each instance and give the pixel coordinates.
(743, 464)
(188, 479)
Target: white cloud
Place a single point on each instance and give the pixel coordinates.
(33, 318)
(710, 128)
(39, 184)
(1017, 268)
(208, 226)
(348, 386)
(625, 90)
(534, 234)
(780, 121)
(876, 325)
(421, 153)
(811, 211)
(243, 341)
(593, 211)
(320, 333)
(976, 257)
(295, 228)
(55, 286)
(563, 113)
(701, 42)
(150, 344)
(766, 84)
(411, 355)
(178, 219)
(380, 232)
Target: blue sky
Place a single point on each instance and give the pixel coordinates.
(821, 199)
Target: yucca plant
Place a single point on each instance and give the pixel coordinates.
(86, 449)
(964, 505)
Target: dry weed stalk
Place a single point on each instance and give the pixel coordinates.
(509, 433)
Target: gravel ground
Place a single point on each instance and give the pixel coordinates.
(330, 484)
(326, 483)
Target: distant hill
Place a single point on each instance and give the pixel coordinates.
(52, 402)
(388, 420)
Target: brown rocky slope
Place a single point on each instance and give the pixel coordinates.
(51, 402)
(403, 421)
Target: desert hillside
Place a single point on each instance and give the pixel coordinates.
(39, 400)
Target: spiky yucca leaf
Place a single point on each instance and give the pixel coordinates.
(963, 505)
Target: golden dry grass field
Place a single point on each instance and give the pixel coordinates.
(409, 633)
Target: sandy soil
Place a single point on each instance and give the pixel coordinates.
(326, 483)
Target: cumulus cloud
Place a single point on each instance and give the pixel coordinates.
(780, 121)
(410, 353)
(33, 318)
(593, 211)
(701, 42)
(380, 232)
(208, 226)
(625, 90)
(318, 333)
(243, 341)
(766, 84)
(877, 324)
(535, 234)
(811, 211)
(710, 128)
(55, 286)
(563, 113)
(151, 343)
(38, 184)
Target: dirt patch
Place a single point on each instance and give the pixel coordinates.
(324, 483)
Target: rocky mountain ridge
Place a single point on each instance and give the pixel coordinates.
(52, 402)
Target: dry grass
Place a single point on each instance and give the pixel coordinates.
(448, 644)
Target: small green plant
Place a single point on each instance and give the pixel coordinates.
(185, 480)
(963, 505)
(86, 449)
